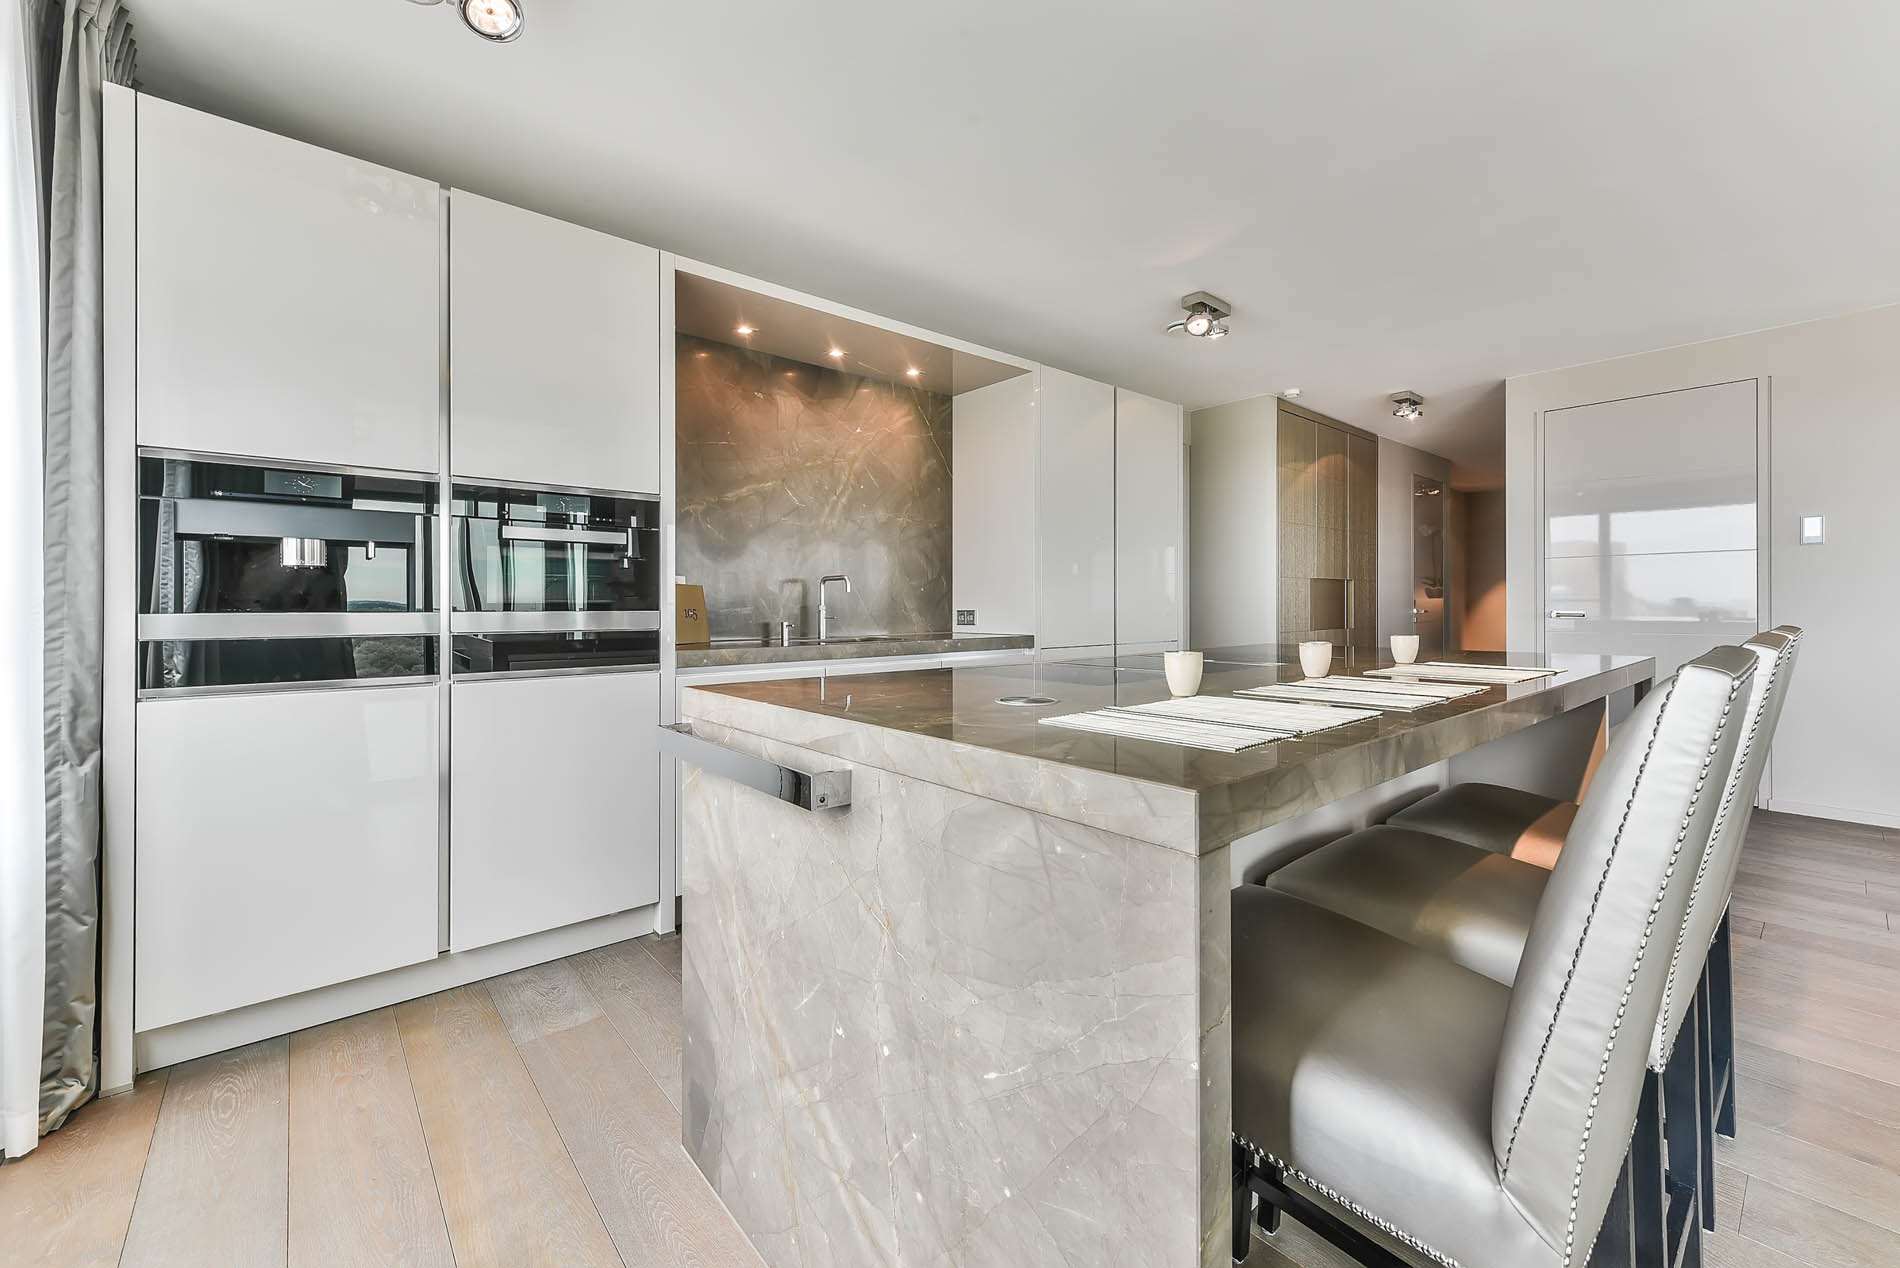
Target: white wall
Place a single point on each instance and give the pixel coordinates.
(993, 506)
(1398, 463)
(1833, 450)
(1233, 527)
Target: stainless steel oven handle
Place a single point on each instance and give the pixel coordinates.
(808, 790)
(578, 536)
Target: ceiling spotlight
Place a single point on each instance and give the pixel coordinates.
(1291, 394)
(746, 330)
(1407, 405)
(913, 372)
(497, 21)
(1206, 316)
(835, 352)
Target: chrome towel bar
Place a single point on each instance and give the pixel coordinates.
(808, 790)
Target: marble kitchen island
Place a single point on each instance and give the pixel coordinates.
(979, 1014)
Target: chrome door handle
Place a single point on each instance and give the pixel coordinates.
(1556, 615)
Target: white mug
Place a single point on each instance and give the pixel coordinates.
(1184, 672)
(1316, 659)
(1404, 648)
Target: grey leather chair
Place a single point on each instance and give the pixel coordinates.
(1476, 907)
(1402, 1096)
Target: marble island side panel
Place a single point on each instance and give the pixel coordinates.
(938, 1029)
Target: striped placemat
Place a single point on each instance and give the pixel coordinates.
(1402, 695)
(1446, 671)
(1224, 724)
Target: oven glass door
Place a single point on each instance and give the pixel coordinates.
(228, 539)
(524, 551)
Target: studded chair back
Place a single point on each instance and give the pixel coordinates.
(1589, 989)
(1775, 651)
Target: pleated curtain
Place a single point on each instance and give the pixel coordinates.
(94, 47)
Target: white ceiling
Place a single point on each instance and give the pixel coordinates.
(1391, 194)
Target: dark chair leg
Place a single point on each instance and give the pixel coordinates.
(1649, 1187)
(1689, 1174)
(1243, 1203)
(1613, 1247)
(1722, 1023)
(1706, 1069)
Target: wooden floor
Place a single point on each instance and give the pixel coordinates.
(534, 1118)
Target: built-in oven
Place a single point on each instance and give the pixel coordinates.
(254, 574)
(546, 581)
(531, 560)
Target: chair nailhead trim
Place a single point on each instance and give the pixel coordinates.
(1782, 657)
(1576, 955)
(1629, 984)
(1333, 1195)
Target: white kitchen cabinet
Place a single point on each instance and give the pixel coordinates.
(1149, 509)
(288, 298)
(286, 841)
(554, 343)
(1075, 511)
(553, 802)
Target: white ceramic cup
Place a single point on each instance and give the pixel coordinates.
(1184, 672)
(1404, 648)
(1316, 659)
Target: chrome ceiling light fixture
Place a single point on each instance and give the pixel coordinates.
(1407, 405)
(1206, 316)
(497, 21)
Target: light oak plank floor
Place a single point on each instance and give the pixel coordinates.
(534, 1118)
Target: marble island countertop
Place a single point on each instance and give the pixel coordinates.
(721, 653)
(948, 726)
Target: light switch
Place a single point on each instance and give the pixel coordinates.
(1813, 530)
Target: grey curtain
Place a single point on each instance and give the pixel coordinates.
(95, 48)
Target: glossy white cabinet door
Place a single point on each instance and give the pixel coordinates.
(1149, 506)
(288, 298)
(1075, 511)
(554, 802)
(285, 840)
(554, 344)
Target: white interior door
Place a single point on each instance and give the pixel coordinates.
(1651, 524)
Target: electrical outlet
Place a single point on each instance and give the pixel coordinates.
(966, 616)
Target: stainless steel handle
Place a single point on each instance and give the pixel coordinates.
(808, 790)
(1556, 615)
(577, 536)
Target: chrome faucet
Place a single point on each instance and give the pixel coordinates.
(824, 609)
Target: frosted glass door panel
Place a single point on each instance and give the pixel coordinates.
(1651, 524)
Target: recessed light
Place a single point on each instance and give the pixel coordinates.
(835, 352)
(746, 330)
(913, 372)
(497, 21)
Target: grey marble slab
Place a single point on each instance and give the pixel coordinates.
(720, 655)
(939, 1031)
(949, 727)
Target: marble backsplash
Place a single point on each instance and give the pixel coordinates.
(787, 472)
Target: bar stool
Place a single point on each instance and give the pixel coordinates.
(1385, 1095)
(1476, 907)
